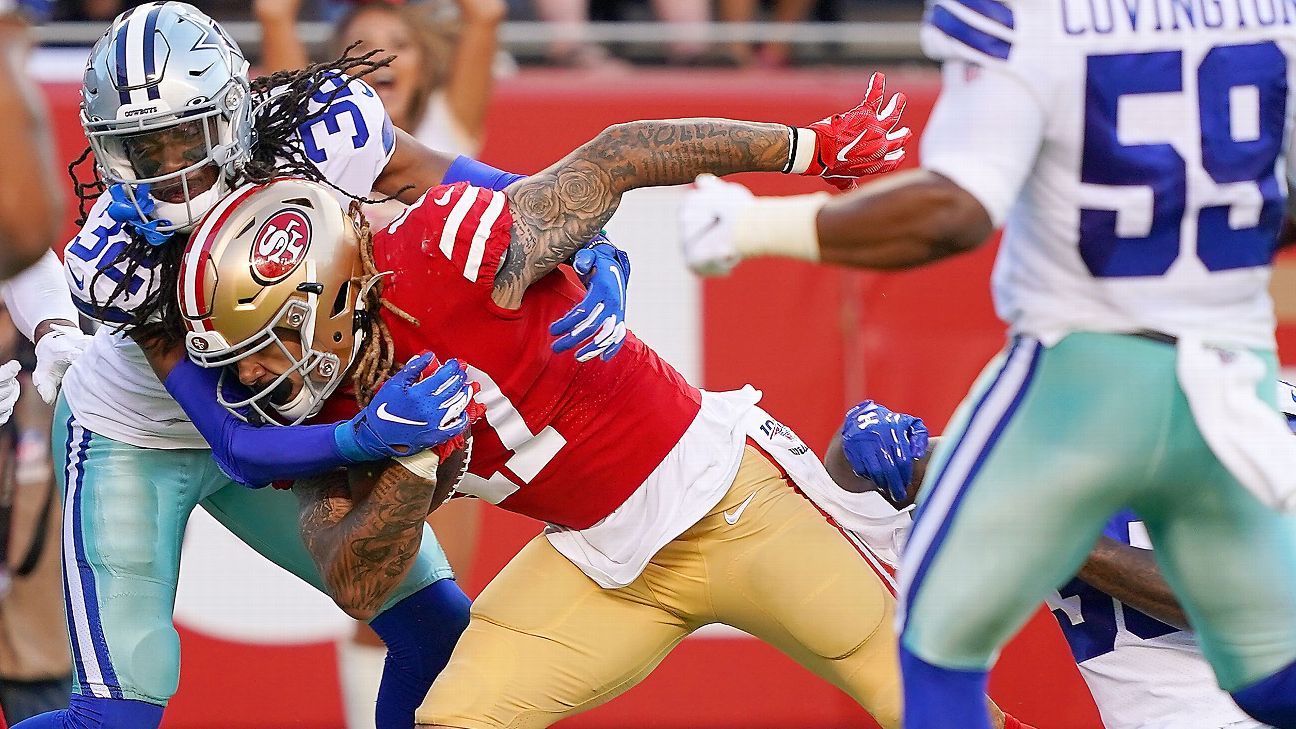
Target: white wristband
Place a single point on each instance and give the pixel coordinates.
(780, 226)
(422, 464)
(39, 294)
(805, 146)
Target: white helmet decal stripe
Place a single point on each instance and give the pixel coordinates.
(484, 226)
(191, 274)
(455, 219)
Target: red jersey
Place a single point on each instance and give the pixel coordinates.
(563, 441)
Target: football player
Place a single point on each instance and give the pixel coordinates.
(173, 122)
(1127, 633)
(667, 507)
(1135, 153)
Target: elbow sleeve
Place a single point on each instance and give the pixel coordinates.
(250, 455)
(467, 169)
(39, 294)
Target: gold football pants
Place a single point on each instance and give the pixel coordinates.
(545, 642)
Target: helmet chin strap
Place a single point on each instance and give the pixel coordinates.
(184, 216)
(299, 406)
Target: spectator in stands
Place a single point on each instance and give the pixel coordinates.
(745, 11)
(89, 10)
(439, 84)
(35, 664)
(688, 46)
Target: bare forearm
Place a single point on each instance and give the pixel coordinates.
(1130, 575)
(468, 89)
(901, 221)
(31, 199)
(556, 211)
(281, 48)
(675, 151)
(364, 547)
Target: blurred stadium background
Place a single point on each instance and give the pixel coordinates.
(260, 651)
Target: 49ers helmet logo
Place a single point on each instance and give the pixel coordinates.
(280, 246)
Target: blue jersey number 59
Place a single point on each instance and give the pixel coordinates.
(1241, 105)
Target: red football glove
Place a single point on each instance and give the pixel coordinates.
(473, 412)
(1012, 722)
(867, 140)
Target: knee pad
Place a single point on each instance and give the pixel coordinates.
(93, 712)
(1271, 700)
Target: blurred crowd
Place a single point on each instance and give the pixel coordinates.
(685, 47)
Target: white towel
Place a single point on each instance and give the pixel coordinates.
(1246, 433)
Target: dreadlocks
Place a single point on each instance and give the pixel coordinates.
(377, 360)
(282, 101)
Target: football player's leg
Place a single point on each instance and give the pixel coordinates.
(420, 622)
(545, 642)
(784, 574)
(1028, 472)
(1232, 563)
(125, 510)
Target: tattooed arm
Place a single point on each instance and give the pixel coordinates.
(363, 528)
(556, 211)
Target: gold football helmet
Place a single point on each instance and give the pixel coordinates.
(267, 261)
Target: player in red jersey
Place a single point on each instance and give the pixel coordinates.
(668, 508)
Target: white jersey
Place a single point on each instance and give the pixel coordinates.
(1142, 673)
(1134, 151)
(111, 389)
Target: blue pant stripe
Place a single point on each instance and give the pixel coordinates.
(90, 645)
(68, 557)
(932, 522)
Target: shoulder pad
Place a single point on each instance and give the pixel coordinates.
(100, 247)
(980, 31)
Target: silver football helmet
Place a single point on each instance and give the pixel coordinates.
(166, 106)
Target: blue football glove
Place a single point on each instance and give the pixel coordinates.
(409, 414)
(882, 445)
(600, 316)
(123, 210)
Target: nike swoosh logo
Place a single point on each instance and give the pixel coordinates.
(732, 516)
(392, 418)
(445, 198)
(841, 156)
(79, 281)
(715, 221)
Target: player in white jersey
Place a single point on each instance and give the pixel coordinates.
(1134, 151)
(173, 121)
(1124, 628)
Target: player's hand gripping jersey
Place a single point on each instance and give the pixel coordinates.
(562, 441)
(1133, 150)
(350, 140)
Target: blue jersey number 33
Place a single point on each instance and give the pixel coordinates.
(1241, 107)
